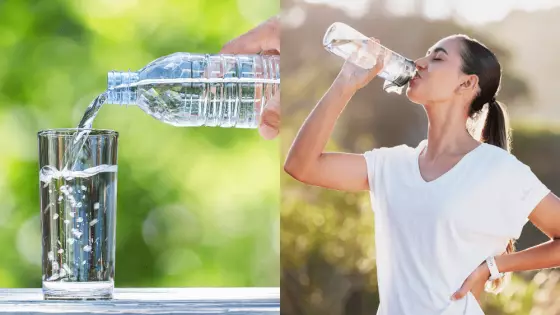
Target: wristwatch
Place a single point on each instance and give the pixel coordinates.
(494, 272)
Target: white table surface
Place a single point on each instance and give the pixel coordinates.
(231, 301)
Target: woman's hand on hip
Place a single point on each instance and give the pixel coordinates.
(475, 283)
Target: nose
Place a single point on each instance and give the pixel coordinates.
(421, 63)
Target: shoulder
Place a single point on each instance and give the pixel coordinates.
(402, 150)
(391, 155)
(501, 159)
(507, 167)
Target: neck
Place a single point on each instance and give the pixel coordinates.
(447, 131)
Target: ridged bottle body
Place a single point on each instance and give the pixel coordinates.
(188, 90)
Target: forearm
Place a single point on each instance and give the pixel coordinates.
(542, 256)
(315, 132)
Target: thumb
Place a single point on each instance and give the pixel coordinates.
(269, 126)
(465, 288)
(264, 37)
(379, 63)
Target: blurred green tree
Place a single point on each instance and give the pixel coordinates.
(196, 207)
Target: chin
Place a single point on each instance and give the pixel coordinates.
(413, 95)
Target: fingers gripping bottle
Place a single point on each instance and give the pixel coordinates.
(343, 41)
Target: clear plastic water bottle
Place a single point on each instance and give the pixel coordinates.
(184, 89)
(342, 40)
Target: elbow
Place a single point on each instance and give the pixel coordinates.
(295, 170)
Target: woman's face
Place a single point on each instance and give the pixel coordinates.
(439, 73)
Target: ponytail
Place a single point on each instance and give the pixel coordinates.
(496, 129)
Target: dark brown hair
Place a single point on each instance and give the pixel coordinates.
(480, 61)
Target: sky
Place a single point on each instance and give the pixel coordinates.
(474, 12)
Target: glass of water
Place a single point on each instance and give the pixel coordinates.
(78, 190)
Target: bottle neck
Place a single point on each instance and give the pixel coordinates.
(119, 87)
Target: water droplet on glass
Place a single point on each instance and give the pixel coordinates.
(79, 204)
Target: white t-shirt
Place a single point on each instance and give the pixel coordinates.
(431, 235)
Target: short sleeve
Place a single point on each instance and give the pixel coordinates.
(371, 157)
(524, 191)
(383, 163)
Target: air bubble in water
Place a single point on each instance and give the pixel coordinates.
(55, 216)
(96, 206)
(80, 219)
(87, 248)
(77, 233)
(50, 255)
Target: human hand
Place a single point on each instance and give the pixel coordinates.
(475, 282)
(355, 77)
(265, 39)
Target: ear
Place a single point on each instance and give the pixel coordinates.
(469, 83)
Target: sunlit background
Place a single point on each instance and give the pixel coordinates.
(196, 206)
(328, 250)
